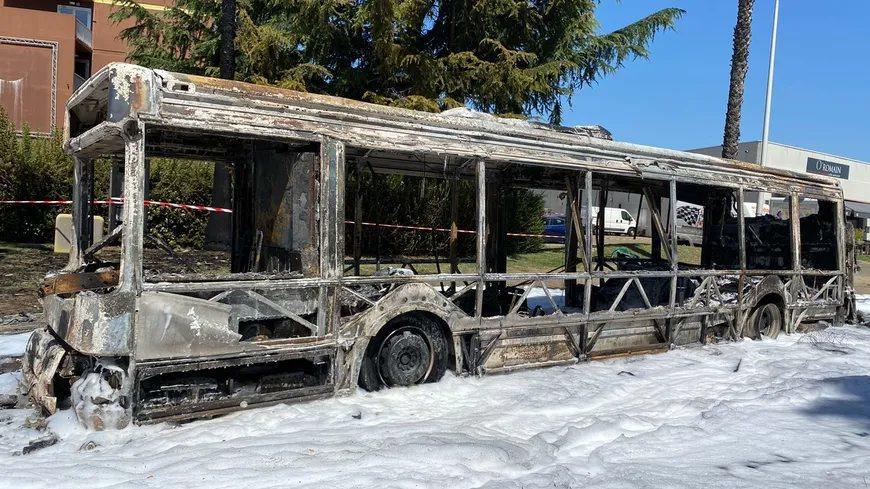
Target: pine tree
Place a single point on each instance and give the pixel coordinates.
(506, 57)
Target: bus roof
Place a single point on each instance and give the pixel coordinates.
(202, 104)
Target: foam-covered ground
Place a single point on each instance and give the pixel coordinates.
(13, 344)
(862, 303)
(794, 412)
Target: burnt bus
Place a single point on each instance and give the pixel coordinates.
(301, 306)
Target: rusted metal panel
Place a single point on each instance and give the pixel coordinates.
(331, 211)
(331, 219)
(530, 349)
(93, 324)
(80, 208)
(481, 236)
(841, 246)
(68, 283)
(672, 233)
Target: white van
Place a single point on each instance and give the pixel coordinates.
(616, 220)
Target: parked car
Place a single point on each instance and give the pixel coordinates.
(618, 221)
(554, 229)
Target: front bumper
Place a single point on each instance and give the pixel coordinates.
(42, 358)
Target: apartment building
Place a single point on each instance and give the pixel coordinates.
(50, 47)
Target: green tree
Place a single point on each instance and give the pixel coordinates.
(228, 39)
(502, 56)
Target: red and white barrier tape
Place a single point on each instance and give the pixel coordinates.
(444, 230)
(49, 202)
(204, 208)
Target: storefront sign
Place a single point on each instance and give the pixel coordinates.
(829, 168)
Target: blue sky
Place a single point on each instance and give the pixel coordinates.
(677, 97)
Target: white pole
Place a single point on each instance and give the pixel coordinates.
(762, 196)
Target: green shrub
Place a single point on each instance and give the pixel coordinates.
(181, 181)
(37, 168)
(31, 168)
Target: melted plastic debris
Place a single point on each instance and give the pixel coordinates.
(98, 404)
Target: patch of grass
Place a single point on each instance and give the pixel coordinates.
(864, 258)
(550, 257)
(541, 261)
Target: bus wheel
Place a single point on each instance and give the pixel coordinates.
(411, 350)
(767, 321)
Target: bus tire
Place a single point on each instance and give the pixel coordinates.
(767, 321)
(409, 350)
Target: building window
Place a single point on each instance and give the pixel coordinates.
(82, 14)
(82, 67)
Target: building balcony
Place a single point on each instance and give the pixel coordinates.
(84, 36)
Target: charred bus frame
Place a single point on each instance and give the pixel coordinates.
(152, 340)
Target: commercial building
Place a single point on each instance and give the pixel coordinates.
(48, 48)
(854, 175)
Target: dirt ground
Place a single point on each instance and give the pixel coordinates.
(23, 267)
(862, 278)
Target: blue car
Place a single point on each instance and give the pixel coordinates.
(554, 229)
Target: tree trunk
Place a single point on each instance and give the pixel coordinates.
(228, 39)
(217, 231)
(739, 66)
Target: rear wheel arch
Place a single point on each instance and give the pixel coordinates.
(761, 307)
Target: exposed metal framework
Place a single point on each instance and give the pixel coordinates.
(478, 322)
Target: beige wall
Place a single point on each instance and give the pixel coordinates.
(108, 47)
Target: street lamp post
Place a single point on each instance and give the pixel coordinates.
(762, 196)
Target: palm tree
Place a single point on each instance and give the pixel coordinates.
(739, 66)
